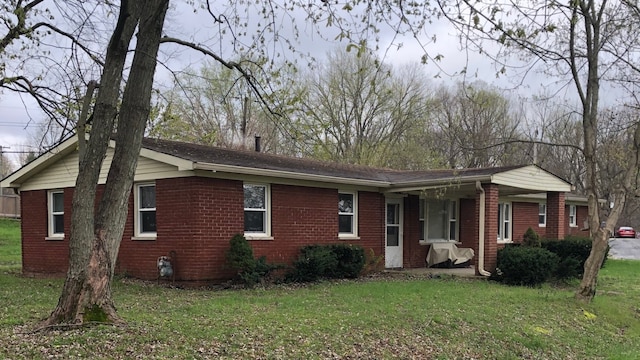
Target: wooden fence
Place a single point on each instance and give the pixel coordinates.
(10, 206)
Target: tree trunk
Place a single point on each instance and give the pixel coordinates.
(87, 297)
(600, 238)
(599, 244)
(132, 120)
(589, 98)
(94, 241)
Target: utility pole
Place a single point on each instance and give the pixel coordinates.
(535, 149)
(1, 177)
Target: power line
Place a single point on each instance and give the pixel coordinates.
(11, 107)
(14, 124)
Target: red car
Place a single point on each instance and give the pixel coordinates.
(625, 232)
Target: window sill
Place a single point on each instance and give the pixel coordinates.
(258, 237)
(143, 238)
(505, 241)
(428, 242)
(55, 238)
(542, 225)
(348, 237)
(573, 226)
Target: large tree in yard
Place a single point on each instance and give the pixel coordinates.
(121, 107)
(94, 240)
(587, 43)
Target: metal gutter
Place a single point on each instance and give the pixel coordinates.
(453, 181)
(436, 185)
(288, 175)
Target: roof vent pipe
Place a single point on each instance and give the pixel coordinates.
(258, 149)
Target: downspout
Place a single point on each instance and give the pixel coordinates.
(481, 220)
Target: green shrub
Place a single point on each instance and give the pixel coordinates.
(314, 263)
(531, 238)
(333, 261)
(250, 271)
(573, 251)
(258, 271)
(576, 247)
(350, 258)
(586, 241)
(521, 265)
(569, 268)
(240, 253)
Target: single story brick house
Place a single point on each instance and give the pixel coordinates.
(192, 199)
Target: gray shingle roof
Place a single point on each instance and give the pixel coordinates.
(257, 160)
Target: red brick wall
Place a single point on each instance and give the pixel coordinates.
(468, 225)
(38, 254)
(371, 222)
(300, 216)
(490, 227)
(303, 216)
(197, 217)
(525, 215)
(555, 215)
(414, 254)
(582, 213)
(472, 234)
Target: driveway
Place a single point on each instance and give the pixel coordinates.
(624, 248)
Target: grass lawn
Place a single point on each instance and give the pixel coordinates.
(374, 318)
(10, 253)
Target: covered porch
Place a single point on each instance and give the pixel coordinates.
(473, 209)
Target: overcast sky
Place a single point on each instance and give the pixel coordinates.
(20, 118)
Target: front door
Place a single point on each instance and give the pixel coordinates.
(393, 239)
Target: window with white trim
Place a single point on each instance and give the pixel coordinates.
(257, 210)
(573, 220)
(504, 222)
(438, 220)
(453, 220)
(347, 214)
(145, 203)
(56, 213)
(542, 214)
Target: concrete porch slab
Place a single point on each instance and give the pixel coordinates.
(467, 272)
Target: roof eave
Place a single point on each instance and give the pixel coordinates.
(557, 188)
(180, 163)
(418, 185)
(16, 179)
(289, 175)
(569, 198)
(452, 181)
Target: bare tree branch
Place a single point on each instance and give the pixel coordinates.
(229, 65)
(73, 39)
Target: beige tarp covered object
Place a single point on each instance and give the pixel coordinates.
(441, 252)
